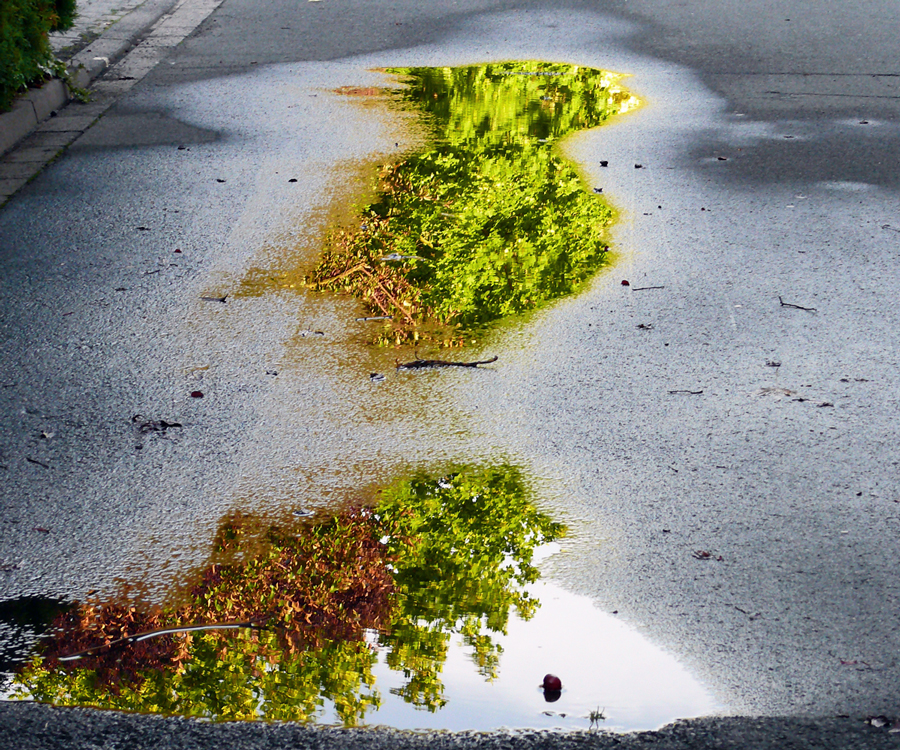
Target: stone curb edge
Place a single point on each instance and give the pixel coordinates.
(38, 104)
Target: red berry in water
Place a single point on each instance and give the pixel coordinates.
(552, 682)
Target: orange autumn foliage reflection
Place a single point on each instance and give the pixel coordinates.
(328, 583)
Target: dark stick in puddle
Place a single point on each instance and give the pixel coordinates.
(421, 364)
(257, 623)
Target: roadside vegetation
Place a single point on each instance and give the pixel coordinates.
(489, 220)
(25, 54)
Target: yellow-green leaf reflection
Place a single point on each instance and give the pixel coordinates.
(490, 220)
(433, 559)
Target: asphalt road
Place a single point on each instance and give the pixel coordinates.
(789, 472)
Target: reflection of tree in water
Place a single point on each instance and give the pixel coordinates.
(433, 558)
(469, 555)
(490, 221)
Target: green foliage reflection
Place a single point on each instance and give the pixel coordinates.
(490, 221)
(434, 558)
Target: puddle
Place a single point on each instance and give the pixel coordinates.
(424, 611)
(489, 220)
(603, 664)
(22, 621)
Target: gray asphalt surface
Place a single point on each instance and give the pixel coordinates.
(35, 727)
(789, 472)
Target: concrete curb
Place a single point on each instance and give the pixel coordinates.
(38, 104)
(138, 42)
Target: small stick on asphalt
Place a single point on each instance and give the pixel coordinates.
(35, 461)
(421, 364)
(215, 299)
(693, 393)
(796, 307)
(643, 288)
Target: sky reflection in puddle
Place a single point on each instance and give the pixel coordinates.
(602, 663)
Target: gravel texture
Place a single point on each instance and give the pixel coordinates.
(36, 727)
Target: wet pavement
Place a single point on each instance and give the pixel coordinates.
(736, 400)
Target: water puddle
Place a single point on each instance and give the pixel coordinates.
(419, 607)
(604, 666)
(424, 611)
(22, 621)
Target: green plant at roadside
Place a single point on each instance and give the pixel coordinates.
(490, 220)
(25, 54)
(434, 558)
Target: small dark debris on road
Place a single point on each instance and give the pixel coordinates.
(702, 554)
(145, 425)
(423, 364)
(796, 307)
